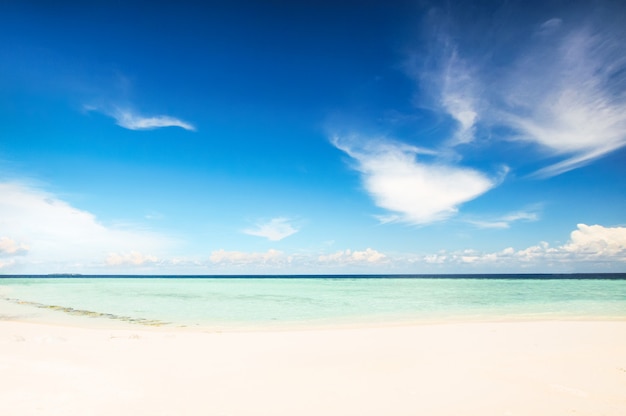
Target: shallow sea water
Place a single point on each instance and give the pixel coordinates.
(261, 302)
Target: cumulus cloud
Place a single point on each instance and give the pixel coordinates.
(596, 241)
(133, 258)
(274, 230)
(58, 234)
(416, 192)
(245, 258)
(350, 257)
(590, 244)
(9, 247)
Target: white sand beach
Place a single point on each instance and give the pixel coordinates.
(505, 368)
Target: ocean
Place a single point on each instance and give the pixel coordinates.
(254, 302)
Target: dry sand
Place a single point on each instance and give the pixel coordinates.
(515, 368)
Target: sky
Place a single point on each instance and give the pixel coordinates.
(282, 137)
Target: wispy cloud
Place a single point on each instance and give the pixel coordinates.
(568, 95)
(449, 84)
(274, 230)
(458, 97)
(561, 88)
(505, 221)
(549, 26)
(133, 121)
(130, 119)
(414, 191)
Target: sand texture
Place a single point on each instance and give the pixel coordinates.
(516, 368)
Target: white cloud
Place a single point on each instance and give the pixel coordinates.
(59, 235)
(9, 247)
(245, 258)
(274, 230)
(133, 121)
(596, 241)
(6, 263)
(591, 245)
(590, 248)
(505, 220)
(563, 89)
(133, 258)
(451, 84)
(417, 192)
(459, 97)
(568, 95)
(349, 257)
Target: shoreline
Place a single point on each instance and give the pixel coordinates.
(62, 319)
(24, 311)
(471, 368)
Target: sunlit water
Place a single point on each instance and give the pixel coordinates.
(312, 301)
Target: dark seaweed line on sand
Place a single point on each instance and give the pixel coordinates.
(90, 314)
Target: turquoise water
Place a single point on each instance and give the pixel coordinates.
(262, 302)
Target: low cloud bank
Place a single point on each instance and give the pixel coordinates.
(588, 244)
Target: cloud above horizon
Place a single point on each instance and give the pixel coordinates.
(414, 191)
(342, 257)
(274, 230)
(591, 244)
(9, 247)
(272, 256)
(54, 234)
(134, 258)
(590, 247)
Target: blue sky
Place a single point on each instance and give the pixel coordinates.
(277, 137)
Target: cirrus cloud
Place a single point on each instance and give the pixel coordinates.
(133, 121)
(574, 103)
(561, 87)
(274, 230)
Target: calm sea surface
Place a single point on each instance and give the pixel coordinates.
(259, 302)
